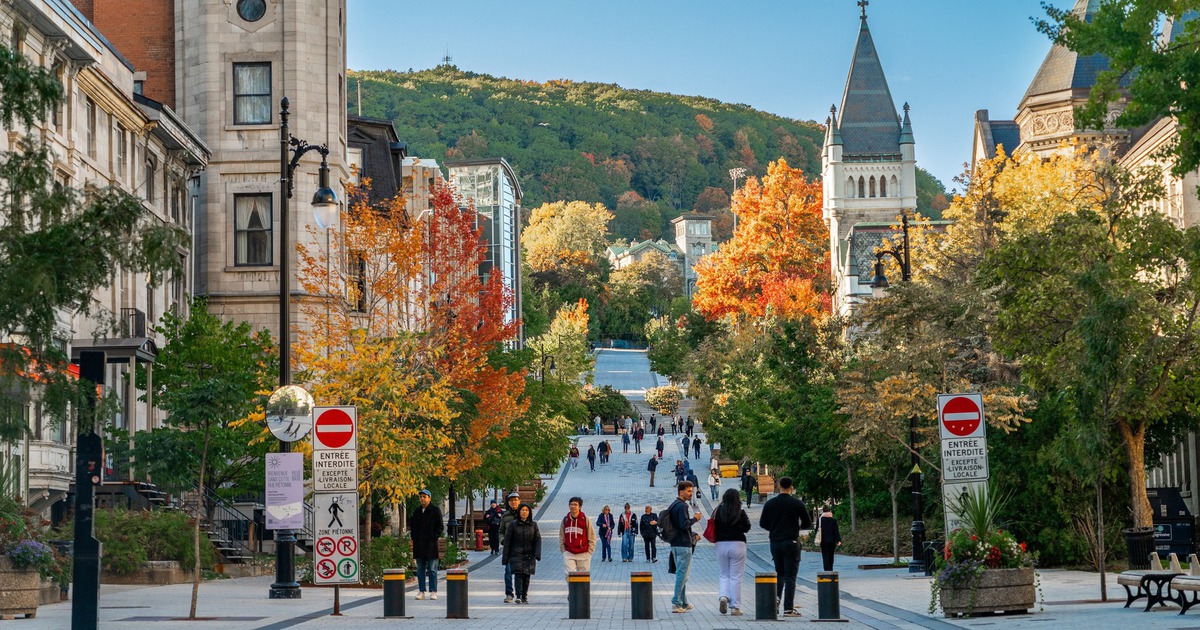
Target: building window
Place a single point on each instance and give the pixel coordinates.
(251, 10)
(872, 185)
(122, 153)
(354, 159)
(252, 229)
(91, 128)
(862, 187)
(882, 186)
(18, 38)
(252, 93)
(151, 175)
(356, 282)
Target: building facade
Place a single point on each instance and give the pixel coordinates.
(103, 133)
(693, 237)
(490, 186)
(621, 256)
(868, 168)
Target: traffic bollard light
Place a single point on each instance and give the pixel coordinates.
(393, 593)
(579, 595)
(765, 596)
(456, 594)
(641, 586)
(829, 607)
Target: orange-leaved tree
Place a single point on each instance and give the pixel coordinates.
(777, 262)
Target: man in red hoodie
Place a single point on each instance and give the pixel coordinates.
(576, 538)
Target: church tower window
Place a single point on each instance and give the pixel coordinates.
(872, 185)
(882, 186)
(862, 187)
(850, 187)
(895, 191)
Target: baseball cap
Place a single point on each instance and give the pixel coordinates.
(513, 494)
(425, 492)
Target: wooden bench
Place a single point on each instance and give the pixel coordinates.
(1154, 585)
(1185, 584)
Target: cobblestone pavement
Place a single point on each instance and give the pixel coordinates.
(883, 599)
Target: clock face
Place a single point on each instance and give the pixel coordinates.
(251, 10)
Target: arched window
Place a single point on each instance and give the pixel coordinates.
(894, 187)
(862, 186)
(872, 185)
(882, 186)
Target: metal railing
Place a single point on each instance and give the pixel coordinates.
(234, 535)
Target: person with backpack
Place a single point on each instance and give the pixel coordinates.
(522, 551)
(648, 526)
(678, 520)
(732, 523)
(627, 529)
(652, 466)
(591, 457)
(492, 517)
(625, 442)
(576, 538)
(604, 528)
(574, 454)
(603, 450)
(784, 516)
(687, 447)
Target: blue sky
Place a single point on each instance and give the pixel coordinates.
(946, 58)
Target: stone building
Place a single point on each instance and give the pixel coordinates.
(868, 168)
(621, 256)
(693, 237)
(103, 133)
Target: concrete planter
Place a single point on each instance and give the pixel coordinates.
(998, 591)
(156, 572)
(50, 593)
(20, 590)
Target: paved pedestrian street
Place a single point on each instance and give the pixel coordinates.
(883, 599)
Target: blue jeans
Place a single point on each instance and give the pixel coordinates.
(715, 491)
(508, 582)
(627, 545)
(683, 565)
(605, 548)
(427, 568)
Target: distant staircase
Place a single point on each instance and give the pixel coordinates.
(232, 534)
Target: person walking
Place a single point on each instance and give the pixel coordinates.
(680, 471)
(714, 483)
(522, 551)
(492, 517)
(690, 476)
(748, 485)
(674, 425)
(627, 529)
(648, 526)
(608, 451)
(661, 431)
(625, 442)
(732, 523)
(653, 423)
(604, 527)
(831, 538)
(691, 425)
(591, 457)
(660, 446)
(603, 450)
(687, 447)
(425, 526)
(696, 442)
(784, 516)
(682, 543)
(574, 454)
(513, 501)
(576, 538)
(599, 426)
(652, 466)
(638, 435)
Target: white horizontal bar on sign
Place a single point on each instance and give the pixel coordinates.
(954, 417)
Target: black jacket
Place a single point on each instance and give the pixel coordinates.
(830, 536)
(644, 526)
(784, 517)
(522, 546)
(506, 519)
(682, 520)
(735, 531)
(633, 524)
(653, 465)
(425, 527)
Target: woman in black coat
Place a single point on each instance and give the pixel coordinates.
(522, 550)
(831, 538)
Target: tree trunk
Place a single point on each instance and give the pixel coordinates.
(894, 490)
(397, 522)
(365, 535)
(200, 508)
(1135, 449)
(1101, 564)
(853, 507)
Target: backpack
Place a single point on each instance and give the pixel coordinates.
(666, 527)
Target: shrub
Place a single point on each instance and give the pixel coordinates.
(132, 538)
(665, 399)
(385, 552)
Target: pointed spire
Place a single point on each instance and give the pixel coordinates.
(835, 134)
(906, 134)
(868, 122)
(1063, 69)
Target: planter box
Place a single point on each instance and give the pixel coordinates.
(20, 590)
(155, 572)
(998, 591)
(50, 592)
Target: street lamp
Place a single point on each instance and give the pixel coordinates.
(545, 359)
(878, 283)
(325, 210)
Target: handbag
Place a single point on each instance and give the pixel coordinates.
(710, 530)
(817, 539)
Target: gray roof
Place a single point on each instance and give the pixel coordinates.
(1172, 29)
(1006, 133)
(867, 119)
(1064, 69)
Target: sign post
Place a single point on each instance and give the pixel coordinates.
(964, 451)
(335, 501)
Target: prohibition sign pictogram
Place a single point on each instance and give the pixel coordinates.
(334, 428)
(347, 545)
(961, 416)
(326, 569)
(325, 547)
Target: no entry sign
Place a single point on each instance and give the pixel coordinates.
(335, 428)
(964, 450)
(960, 415)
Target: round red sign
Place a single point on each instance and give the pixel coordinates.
(334, 428)
(961, 416)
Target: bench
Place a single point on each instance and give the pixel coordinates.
(1185, 584)
(1154, 585)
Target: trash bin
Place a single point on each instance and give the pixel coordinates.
(1140, 542)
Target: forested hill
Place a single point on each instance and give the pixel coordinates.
(593, 141)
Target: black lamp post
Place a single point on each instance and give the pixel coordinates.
(547, 360)
(917, 564)
(325, 209)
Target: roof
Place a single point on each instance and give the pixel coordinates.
(173, 132)
(141, 349)
(691, 216)
(1172, 29)
(867, 120)
(1063, 69)
(501, 162)
(996, 133)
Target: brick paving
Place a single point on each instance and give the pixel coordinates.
(883, 599)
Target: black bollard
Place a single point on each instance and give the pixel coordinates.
(766, 604)
(641, 587)
(829, 608)
(393, 593)
(579, 595)
(456, 594)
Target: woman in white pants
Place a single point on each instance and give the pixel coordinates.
(732, 523)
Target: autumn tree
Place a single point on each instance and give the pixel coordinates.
(778, 261)
(639, 292)
(565, 241)
(635, 218)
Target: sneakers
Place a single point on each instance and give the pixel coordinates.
(421, 595)
(736, 612)
(724, 605)
(508, 599)
(791, 613)
(433, 595)
(679, 609)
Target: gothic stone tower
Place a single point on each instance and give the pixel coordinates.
(868, 167)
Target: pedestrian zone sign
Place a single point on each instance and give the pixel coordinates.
(336, 532)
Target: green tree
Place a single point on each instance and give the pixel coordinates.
(58, 245)
(210, 378)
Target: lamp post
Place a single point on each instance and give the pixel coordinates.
(879, 282)
(324, 204)
(545, 358)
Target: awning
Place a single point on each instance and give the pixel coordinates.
(141, 349)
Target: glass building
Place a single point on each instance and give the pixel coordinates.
(491, 184)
